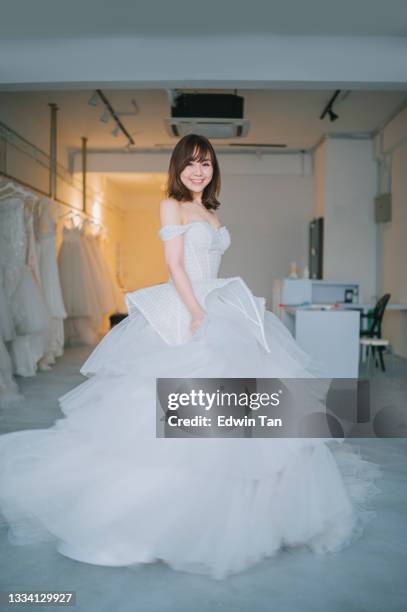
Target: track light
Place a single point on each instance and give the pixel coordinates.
(93, 100)
(109, 112)
(328, 110)
(332, 116)
(105, 116)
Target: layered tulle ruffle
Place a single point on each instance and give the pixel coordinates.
(110, 492)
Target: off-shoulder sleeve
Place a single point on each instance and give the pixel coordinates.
(171, 231)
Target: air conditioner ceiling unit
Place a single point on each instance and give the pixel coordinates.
(217, 106)
(211, 115)
(211, 128)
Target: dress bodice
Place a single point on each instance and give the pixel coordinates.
(162, 306)
(204, 246)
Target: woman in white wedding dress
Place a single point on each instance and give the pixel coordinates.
(108, 491)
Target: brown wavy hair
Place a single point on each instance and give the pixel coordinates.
(193, 147)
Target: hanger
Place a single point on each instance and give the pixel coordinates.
(8, 189)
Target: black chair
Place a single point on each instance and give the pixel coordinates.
(374, 330)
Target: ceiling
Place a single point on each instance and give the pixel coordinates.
(281, 117)
(103, 18)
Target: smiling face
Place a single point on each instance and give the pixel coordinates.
(198, 173)
(194, 173)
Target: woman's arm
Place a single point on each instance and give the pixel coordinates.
(174, 257)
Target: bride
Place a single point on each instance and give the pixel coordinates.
(108, 491)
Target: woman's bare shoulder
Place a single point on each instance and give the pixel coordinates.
(170, 211)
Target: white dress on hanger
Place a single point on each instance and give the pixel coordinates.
(13, 244)
(80, 299)
(29, 309)
(7, 331)
(117, 495)
(18, 282)
(8, 387)
(102, 288)
(48, 269)
(114, 290)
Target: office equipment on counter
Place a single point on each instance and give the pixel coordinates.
(294, 292)
(293, 270)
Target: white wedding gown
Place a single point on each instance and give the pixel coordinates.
(110, 492)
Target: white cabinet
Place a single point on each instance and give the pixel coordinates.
(330, 336)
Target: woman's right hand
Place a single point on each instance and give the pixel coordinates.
(196, 321)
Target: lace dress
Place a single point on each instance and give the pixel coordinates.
(51, 287)
(80, 298)
(28, 305)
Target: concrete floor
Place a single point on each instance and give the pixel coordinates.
(369, 576)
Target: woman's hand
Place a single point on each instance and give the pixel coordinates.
(196, 320)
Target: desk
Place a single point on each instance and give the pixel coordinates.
(294, 292)
(330, 336)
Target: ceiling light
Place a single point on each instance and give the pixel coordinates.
(93, 100)
(105, 116)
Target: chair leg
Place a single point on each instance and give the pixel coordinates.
(369, 356)
(381, 349)
(374, 356)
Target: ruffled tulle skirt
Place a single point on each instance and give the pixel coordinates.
(108, 491)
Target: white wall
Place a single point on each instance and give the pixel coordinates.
(392, 236)
(268, 220)
(348, 182)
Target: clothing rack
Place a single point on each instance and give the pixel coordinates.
(21, 144)
(44, 194)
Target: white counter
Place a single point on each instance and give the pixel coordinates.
(331, 337)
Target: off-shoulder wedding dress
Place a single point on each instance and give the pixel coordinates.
(108, 491)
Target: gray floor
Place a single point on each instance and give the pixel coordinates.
(369, 576)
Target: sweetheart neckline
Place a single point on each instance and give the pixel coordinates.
(215, 229)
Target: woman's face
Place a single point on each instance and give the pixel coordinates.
(197, 174)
